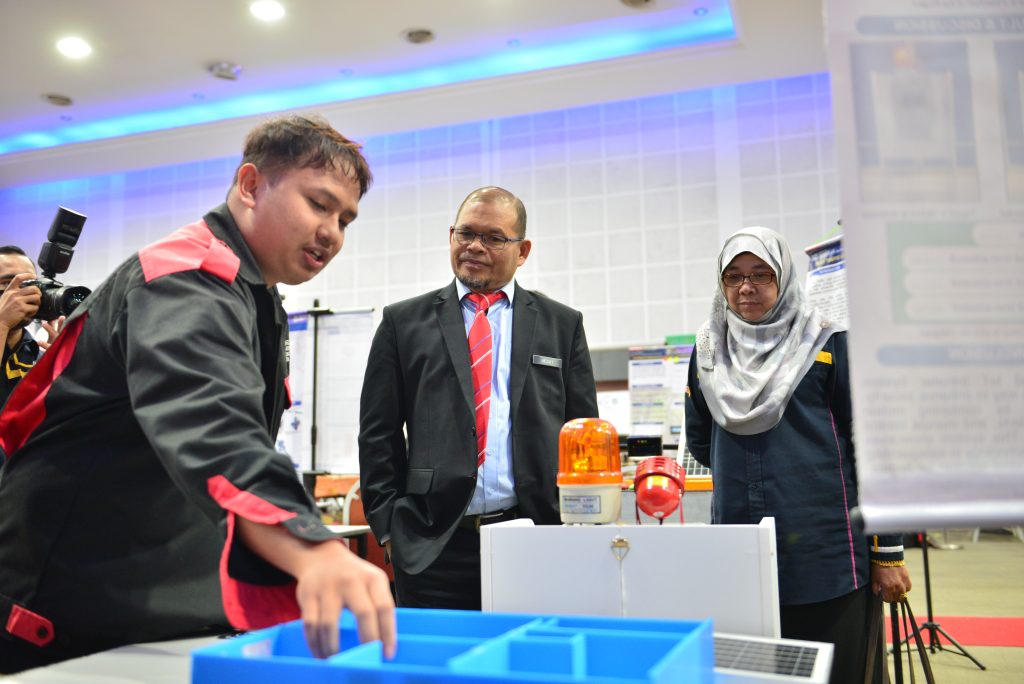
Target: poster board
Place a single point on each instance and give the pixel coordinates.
(657, 391)
(657, 381)
(928, 101)
(342, 350)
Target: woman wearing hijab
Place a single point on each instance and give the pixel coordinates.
(768, 410)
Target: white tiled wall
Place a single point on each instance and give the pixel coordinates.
(628, 202)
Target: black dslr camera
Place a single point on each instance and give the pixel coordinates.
(55, 257)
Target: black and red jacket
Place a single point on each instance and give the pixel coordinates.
(135, 442)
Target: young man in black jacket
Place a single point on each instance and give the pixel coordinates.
(142, 498)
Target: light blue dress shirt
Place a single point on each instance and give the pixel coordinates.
(495, 488)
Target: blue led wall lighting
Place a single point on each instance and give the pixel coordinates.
(716, 27)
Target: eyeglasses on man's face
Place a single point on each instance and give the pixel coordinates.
(736, 279)
(491, 241)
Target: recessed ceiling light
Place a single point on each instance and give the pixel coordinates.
(700, 11)
(513, 42)
(419, 35)
(74, 47)
(59, 100)
(267, 10)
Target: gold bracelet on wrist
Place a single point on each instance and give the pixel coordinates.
(889, 564)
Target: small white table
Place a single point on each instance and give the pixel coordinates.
(349, 530)
(358, 532)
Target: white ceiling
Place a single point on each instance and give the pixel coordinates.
(150, 57)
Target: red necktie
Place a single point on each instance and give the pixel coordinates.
(480, 361)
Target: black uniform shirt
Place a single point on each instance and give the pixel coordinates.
(15, 364)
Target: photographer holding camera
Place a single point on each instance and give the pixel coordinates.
(18, 306)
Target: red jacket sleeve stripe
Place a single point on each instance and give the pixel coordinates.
(250, 606)
(254, 606)
(247, 505)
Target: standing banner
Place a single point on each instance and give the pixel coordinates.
(930, 140)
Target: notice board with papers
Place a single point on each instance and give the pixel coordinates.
(343, 346)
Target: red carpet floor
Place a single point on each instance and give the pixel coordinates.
(973, 631)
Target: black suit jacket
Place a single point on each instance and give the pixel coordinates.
(416, 486)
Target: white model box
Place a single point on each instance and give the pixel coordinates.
(725, 572)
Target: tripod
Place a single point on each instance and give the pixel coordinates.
(931, 627)
(309, 476)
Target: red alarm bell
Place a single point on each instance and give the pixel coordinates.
(659, 485)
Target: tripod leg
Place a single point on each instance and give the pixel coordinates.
(926, 667)
(933, 641)
(910, 648)
(959, 648)
(897, 660)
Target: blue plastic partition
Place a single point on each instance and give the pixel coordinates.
(461, 646)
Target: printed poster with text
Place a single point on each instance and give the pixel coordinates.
(928, 97)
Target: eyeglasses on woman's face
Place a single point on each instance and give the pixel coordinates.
(491, 241)
(737, 279)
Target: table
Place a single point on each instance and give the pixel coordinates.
(162, 662)
(358, 532)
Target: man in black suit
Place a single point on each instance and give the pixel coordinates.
(427, 489)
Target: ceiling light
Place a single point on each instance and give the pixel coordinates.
(419, 35)
(267, 10)
(74, 47)
(59, 100)
(229, 71)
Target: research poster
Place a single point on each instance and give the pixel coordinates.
(826, 280)
(929, 131)
(344, 345)
(657, 384)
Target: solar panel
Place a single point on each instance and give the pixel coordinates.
(692, 467)
(785, 659)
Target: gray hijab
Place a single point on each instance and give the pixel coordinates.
(749, 370)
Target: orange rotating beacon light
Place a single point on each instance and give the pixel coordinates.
(659, 486)
(589, 472)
